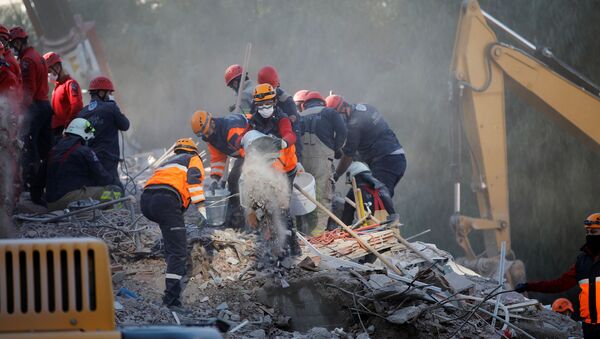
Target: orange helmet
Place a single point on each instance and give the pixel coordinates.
(200, 122)
(232, 72)
(17, 32)
(561, 305)
(101, 83)
(335, 101)
(264, 92)
(186, 144)
(4, 33)
(592, 221)
(299, 96)
(52, 58)
(268, 75)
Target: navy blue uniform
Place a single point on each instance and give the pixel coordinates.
(286, 103)
(107, 119)
(71, 166)
(371, 140)
(327, 124)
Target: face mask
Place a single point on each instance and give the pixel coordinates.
(593, 243)
(111, 97)
(52, 76)
(265, 111)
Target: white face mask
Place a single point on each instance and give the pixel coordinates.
(52, 76)
(266, 111)
(111, 97)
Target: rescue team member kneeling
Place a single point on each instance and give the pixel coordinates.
(586, 272)
(74, 171)
(167, 194)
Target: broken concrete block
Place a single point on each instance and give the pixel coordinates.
(457, 282)
(318, 333)
(232, 261)
(222, 307)
(363, 336)
(403, 315)
(258, 334)
(377, 281)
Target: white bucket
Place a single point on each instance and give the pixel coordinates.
(299, 204)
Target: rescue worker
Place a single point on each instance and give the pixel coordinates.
(269, 119)
(269, 75)
(563, 306)
(233, 77)
(323, 134)
(585, 272)
(66, 97)
(36, 134)
(74, 171)
(15, 68)
(224, 136)
(299, 99)
(167, 194)
(371, 140)
(108, 120)
(373, 191)
(10, 85)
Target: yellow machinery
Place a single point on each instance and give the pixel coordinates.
(480, 67)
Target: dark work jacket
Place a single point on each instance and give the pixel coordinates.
(587, 274)
(71, 166)
(367, 182)
(327, 124)
(107, 119)
(286, 103)
(228, 134)
(369, 135)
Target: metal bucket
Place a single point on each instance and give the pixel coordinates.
(216, 206)
(255, 141)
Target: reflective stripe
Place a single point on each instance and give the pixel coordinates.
(173, 276)
(584, 281)
(183, 168)
(198, 198)
(398, 151)
(218, 164)
(195, 189)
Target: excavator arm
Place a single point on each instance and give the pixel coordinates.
(480, 68)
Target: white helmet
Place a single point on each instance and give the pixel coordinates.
(357, 167)
(82, 128)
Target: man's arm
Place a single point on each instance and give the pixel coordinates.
(120, 119)
(75, 101)
(341, 131)
(217, 161)
(194, 180)
(285, 129)
(565, 282)
(28, 71)
(101, 176)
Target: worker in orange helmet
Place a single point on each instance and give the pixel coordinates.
(563, 306)
(233, 79)
(66, 97)
(586, 273)
(167, 194)
(9, 57)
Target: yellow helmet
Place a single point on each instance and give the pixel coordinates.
(264, 92)
(186, 144)
(592, 221)
(200, 122)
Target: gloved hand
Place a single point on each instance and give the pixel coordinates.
(299, 168)
(231, 108)
(279, 143)
(338, 154)
(521, 287)
(214, 186)
(335, 177)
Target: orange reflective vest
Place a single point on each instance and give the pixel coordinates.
(225, 141)
(183, 174)
(587, 273)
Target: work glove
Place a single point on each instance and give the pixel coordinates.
(299, 168)
(521, 287)
(279, 143)
(335, 177)
(338, 154)
(214, 186)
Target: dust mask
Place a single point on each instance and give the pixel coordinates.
(111, 97)
(266, 111)
(52, 76)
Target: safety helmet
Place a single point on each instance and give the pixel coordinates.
(201, 122)
(101, 83)
(51, 59)
(268, 75)
(186, 144)
(314, 95)
(4, 33)
(232, 72)
(299, 96)
(561, 305)
(17, 32)
(264, 92)
(592, 221)
(82, 128)
(335, 101)
(357, 167)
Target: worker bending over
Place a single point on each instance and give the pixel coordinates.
(371, 140)
(66, 97)
(233, 79)
(224, 136)
(323, 134)
(74, 171)
(586, 273)
(167, 194)
(108, 120)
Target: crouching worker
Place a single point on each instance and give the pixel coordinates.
(373, 191)
(167, 194)
(74, 171)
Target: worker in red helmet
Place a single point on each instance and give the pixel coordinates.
(371, 140)
(66, 97)
(323, 134)
(585, 273)
(36, 133)
(8, 54)
(269, 75)
(233, 78)
(107, 119)
(299, 98)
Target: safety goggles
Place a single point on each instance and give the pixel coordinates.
(89, 128)
(591, 223)
(265, 104)
(263, 95)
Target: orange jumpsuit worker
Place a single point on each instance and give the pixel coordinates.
(167, 194)
(66, 97)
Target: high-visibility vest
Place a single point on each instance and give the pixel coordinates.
(587, 272)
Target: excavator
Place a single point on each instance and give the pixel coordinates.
(481, 68)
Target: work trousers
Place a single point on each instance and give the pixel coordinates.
(235, 213)
(389, 170)
(100, 193)
(36, 135)
(318, 161)
(163, 207)
(591, 330)
(112, 167)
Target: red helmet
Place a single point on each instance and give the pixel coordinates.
(314, 95)
(17, 32)
(335, 101)
(52, 58)
(299, 96)
(4, 32)
(268, 75)
(101, 83)
(232, 72)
